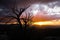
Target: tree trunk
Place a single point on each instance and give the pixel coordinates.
(20, 25)
(25, 25)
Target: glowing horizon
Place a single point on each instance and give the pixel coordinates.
(52, 22)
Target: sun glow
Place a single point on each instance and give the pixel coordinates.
(53, 22)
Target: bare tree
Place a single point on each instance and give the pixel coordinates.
(15, 13)
(27, 19)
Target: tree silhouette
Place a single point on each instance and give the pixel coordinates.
(15, 13)
(27, 19)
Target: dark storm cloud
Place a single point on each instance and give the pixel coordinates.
(9, 2)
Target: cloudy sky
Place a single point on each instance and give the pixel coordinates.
(46, 9)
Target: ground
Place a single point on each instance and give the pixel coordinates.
(11, 32)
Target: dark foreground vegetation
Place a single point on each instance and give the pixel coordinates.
(12, 32)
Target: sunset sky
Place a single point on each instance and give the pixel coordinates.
(42, 10)
(45, 12)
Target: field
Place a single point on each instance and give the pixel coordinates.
(12, 32)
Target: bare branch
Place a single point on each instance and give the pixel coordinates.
(22, 10)
(11, 16)
(9, 20)
(17, 11)
(14, 11)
